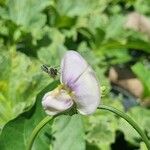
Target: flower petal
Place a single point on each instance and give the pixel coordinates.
(86, 92)
(72, 66)
(80, 78)
(56, 101)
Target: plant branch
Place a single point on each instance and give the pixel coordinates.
(130, 121)
(37, 129)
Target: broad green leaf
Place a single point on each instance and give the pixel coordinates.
(115, 27)
(68, 133)
(143, 73)
(16, 133)
(103, 131)
(130, 44)
(119, 56)
(20, 80)
(75, 8)
(27, 14)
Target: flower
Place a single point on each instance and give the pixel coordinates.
(79, 87)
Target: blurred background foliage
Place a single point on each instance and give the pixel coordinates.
(112, 35)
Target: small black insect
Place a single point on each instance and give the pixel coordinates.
(52, 72)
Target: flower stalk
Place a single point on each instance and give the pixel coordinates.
(130, 121)
(103, 107)
(37, 129)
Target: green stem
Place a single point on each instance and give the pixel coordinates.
(130, 121)
(37, 130)
(111, 109)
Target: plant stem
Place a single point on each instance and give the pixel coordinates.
(37, 130)
(130, 121)
(111, 109)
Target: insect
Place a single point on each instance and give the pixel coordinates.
(52, 72)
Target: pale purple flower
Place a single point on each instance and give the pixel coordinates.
(79, 87)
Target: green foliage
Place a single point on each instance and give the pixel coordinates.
(102, 131)
(16, 133)
(68, 133)
(143, 72)
(27, 14)
(65, 127)
(20, 81)
(36, 32)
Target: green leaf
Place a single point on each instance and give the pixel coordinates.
(20, 80)
(115, 27)
(16, 133)
(68, 133)
(143, 73)
(143, 146)
(27, 14)
(129, 44)
(75, 8)
(103, 128)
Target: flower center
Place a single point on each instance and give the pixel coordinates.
(67, 90)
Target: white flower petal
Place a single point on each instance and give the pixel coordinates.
(56, 101)
(72, 66)
(87, 92)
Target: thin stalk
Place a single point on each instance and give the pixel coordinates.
(111, 109)
(130, 121)
(37, 129)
